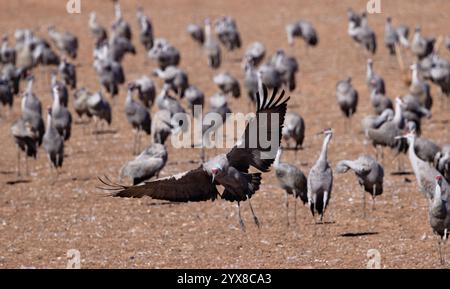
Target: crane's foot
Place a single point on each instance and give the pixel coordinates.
(241, 223)
(255, 219)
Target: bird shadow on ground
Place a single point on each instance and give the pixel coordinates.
(358, 234)
(322, 223)
(19, 181)
(183, 162)
(161, 203)
(81, 122)
(6, 172)
(404, 173)
(106, 131)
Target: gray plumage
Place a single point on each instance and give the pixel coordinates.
(165, 101)
(145, 29)
(61, 117)
(164, 53)
(375, 121)
(294, 128)
(194, 96)
(53, 143)
(146, 165)
(99, 32)
(227, 32)
(120, 27)
(196, 32)
(369, 172)
(292, 181)
(111, 74)
(13, 75)
(30, 102)
(7, 53)
(6, 93)
(442, 161)
(373, 80)
(66, 41)
(439, 213)
(304, 30)
(80, 105)
(380, 102)
(347, 97)
(287, 67)
(320, 180)
(227, 84)
(161, 126)
(211, 47)
(99, 107)
(440, 73)
(68, 73)
(362, 33)
(420, 45)
(25, 138)
(61, 87)
(137, 115)
(146, 90)
(255, 52)
(176, 78)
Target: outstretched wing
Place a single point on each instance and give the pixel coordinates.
(191, 186)
(249, 150)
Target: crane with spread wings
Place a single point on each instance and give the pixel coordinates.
(230, 170)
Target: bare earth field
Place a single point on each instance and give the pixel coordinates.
(40, 220)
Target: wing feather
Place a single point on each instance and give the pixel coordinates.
(191, 186)
(242, 156)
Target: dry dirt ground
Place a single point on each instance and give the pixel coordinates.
(41, 220)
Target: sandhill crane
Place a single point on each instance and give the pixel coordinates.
(380, 102)
(425, 149)
(80, 105)
(120, 27)
(26, 140)
(287, 67)
(6, 93)
(13, 75)
(439, 214)
(99, 108)
(146, 165)
(146, 90)
(99, 32)
(294, 128)
(394, 35)
(293, 181)
(229, 170)
(196, 32)
(354, 21)
(227, 84)
(420, 46)
(120, 46)
(442, 161)
(30, 102)
(212, 48)
(44, 55)
(146, 29)
(194, 96)
(386, 134)
(7, 54)
(347, 99)
(419, 88)
(440, 74)
(61, 116)
(138, 116)
(66, 42)
(227, 32)
(373, 80)
(320, 179)
(370, 175)
(177, 79)
(62, 89)
(302, 29)
(424, 172)
(413, 111)
(111, 74)
(53, 144)
(68, 73)
(363, 34)
(164, 53)
(375, 121)
(165, 101)
(255, 52)
(161, 126)
(250, 79)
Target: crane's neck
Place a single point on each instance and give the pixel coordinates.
(129, 98)
(117, 11)
(276, 163)
(369, 72)
(324, 152)
(53, 81)
(398, 114)
(56, 101)
(29, 87)
(49, 121)
(208, 31)
(415, 76)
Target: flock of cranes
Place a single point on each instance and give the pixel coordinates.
(396, 124)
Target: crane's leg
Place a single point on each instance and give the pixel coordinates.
(286, 204)
(255, 218)
(241, 222)
(441, 257)
(325, 201)
(18, 161)
(364, 202)
(295, 207)
(27, 173)
(374, 190)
